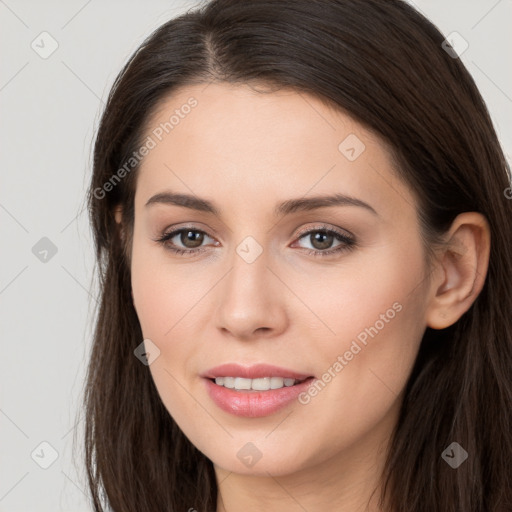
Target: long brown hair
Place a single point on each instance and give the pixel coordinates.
(384, 64)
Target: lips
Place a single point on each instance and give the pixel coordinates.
(252, 403)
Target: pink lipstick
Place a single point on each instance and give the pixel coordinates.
(254, 391)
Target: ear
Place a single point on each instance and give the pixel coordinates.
(461, 270)
(118, 214)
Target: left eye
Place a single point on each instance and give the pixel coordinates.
(322, 240)
(323, 237)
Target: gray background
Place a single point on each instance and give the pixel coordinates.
(50, 109)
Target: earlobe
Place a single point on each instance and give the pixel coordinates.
(462, 268)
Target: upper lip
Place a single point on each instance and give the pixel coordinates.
(252, 372)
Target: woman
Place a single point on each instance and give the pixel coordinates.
(235, 368)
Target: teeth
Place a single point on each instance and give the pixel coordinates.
(229, 382)
(261, 384)
(241, 383)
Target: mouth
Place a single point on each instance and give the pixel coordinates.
(255, 398)
(254, 391)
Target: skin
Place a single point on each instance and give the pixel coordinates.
(247, 151)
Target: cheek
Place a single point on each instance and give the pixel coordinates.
(376, 314)
(373, 290)
(153, 300)
(164, 296)
(163, 292)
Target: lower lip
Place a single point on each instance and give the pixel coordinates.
(254, 404)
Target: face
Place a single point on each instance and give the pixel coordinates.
(327, 291)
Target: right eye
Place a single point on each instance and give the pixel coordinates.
(185, 236)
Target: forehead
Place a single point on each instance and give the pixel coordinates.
(246, 147)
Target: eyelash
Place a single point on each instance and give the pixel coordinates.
(348, 243)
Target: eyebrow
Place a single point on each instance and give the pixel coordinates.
(285, 208)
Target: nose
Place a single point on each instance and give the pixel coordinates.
(252, 299)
